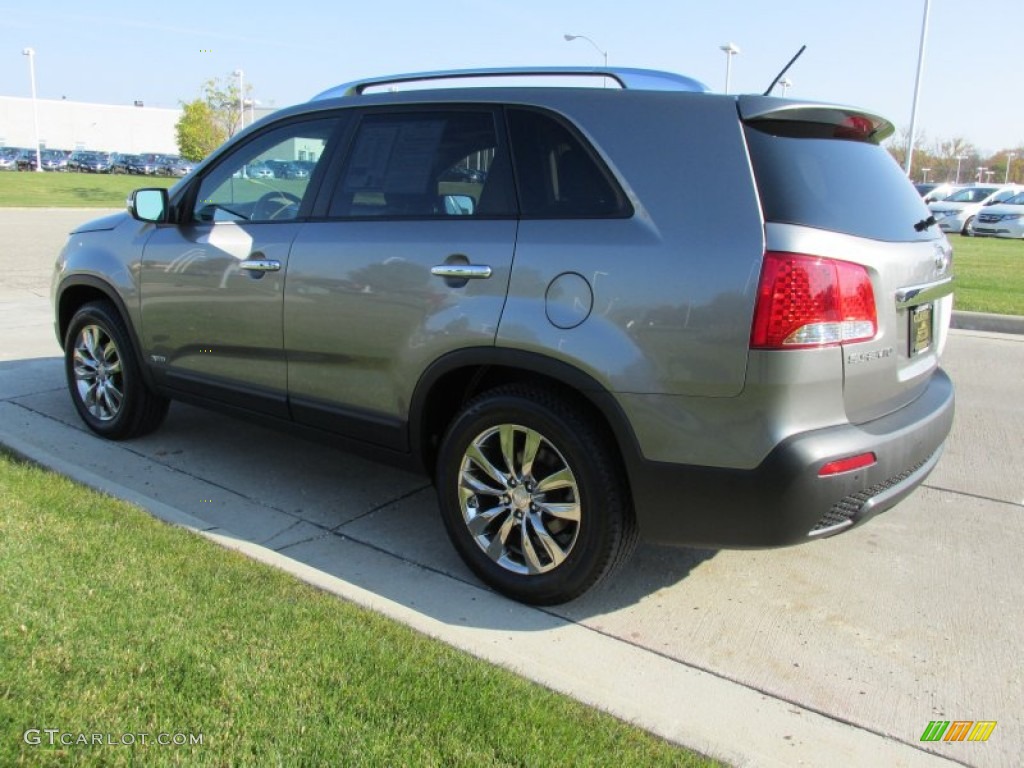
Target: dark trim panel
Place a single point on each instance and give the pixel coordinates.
(354, 424)
(177, 384)
(781, 501)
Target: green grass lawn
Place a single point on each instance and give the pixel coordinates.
(71, 190)
(113, 623)
(989, 274)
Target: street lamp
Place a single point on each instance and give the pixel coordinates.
(959, 159)
(785, 83)
(731, 49)
(570, 38)
(1009, 159)
(924, 175)
(917, 89)
(981, 173)
(241, 97)
(31, 53)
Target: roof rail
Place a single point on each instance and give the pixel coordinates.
(627, 78)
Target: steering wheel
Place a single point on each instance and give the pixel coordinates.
(276, 205)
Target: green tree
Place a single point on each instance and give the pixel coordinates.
(224, 99)
(199, 130)
(207, 122)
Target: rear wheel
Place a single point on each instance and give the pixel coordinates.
(104, 377)
(532, 495)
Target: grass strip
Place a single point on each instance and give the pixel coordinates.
(114, 623)
(71, 190)
(989, 274)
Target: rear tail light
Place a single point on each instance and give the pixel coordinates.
(808, 301)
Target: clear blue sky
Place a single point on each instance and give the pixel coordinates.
(862, 53)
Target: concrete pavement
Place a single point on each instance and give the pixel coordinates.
(835, 653)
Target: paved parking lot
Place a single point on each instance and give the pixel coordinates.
(839, 652)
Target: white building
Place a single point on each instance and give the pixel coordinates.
(78, 125)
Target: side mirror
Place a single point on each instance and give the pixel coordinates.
(459, 205)
(148, 205)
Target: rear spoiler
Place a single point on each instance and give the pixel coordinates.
(848, 122)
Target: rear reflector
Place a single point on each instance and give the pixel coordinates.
(807, 301)
(839, 466)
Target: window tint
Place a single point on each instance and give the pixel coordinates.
(557, 176)
(846, 186)
(425, 165)
(265, 179)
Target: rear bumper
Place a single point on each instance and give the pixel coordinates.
(783, 501)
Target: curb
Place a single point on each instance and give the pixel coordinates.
(986, 321)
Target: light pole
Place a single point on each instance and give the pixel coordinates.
(31, 53)
(917, 88)
(981, 173)
(604, 54)
(959, 159)
(1009, 159)
(924, 175)
(731, 49)
(241, 97)
(785, 83)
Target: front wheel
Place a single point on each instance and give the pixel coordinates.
(532, 495)
(104, 378)
(966, 231)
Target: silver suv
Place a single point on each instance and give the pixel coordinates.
(588, 313)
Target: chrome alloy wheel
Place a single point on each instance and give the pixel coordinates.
(97, 371)
(519, 499)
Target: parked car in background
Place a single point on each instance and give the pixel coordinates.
(259, 171)
(1005, 219)
(9, 158)
(956, 212)
(574, 344)
(95, 162)
(938, 191)
(143, 165)
(118, 163)
(173, 165)
(285, 169)
(55, 160)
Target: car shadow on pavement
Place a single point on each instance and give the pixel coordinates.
(302, 499)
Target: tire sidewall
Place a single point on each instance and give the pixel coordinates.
(101, 316)
(596, 540)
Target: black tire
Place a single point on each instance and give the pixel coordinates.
(104, 377)
(966, 231)
(518, 534)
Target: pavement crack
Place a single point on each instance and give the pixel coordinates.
(382, 505)
(968, 494)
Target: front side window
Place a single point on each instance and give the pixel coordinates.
(424, 165)
(267, 179)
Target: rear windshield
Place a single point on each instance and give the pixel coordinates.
(839, 184)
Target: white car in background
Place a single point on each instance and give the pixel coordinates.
(956, 212)
(1005, 219)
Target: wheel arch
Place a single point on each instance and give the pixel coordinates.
(78, 291)
(457, 377)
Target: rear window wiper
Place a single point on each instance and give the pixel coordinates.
(923, 224)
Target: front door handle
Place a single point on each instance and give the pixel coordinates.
(260, 265)
(462, 271)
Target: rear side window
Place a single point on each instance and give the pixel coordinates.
(557, 176)
(838, 184)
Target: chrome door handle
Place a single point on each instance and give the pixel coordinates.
(260, 265)
(462, 271)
